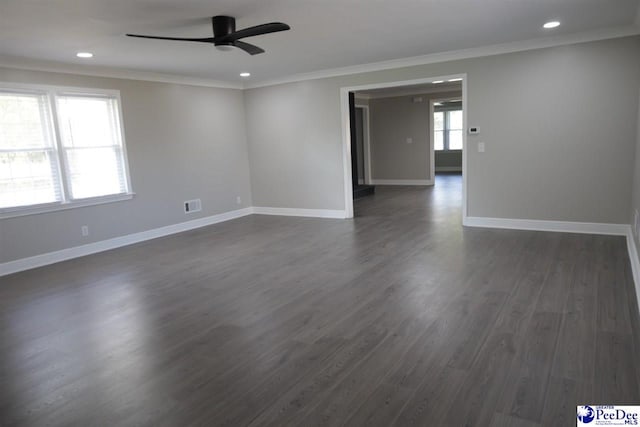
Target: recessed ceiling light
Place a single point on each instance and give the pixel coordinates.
(437, 103)
(84, 55)
(435, 82)
(245, 74)
(551, 24)
(459, 79)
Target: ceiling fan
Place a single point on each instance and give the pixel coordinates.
(225, 36)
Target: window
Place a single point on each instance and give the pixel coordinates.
(447, 130)
(60, 148)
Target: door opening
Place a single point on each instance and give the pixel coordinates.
(447, 134)
(359, 151)
(405, 143)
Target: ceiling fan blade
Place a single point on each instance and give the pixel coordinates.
(249, 48)
(272, 27)
(203, 40)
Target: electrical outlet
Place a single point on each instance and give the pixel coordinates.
(239, 200)
(194, 205)
(85, 230)
(409, 140)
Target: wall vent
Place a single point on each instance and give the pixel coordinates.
(191, 206)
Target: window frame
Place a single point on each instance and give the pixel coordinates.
(51, 93)
(446, 128)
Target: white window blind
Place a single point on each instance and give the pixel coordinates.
(29, 171)
(58, 147)
(92, 146)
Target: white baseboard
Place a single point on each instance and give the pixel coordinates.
(448, 168)
(116, 242)
(401, 182)
(315, 213)
(538, 225)
(634, 261)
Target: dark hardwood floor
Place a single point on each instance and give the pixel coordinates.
(399, 317)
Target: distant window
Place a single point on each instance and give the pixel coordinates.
(447, 130)
(59, 147)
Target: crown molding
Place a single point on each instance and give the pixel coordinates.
(117, 73)
(498, 49)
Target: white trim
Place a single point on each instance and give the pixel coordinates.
(314, 213)
(432, 153)
(59, 90)
(498, 49)
(402, 181)
(94, 71)
(53, 94)
(465, 150)
(61, 206)
(634, 261)
(542, 225)
(448, 168)
(346, 134)
(116, 242)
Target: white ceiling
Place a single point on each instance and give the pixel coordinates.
(325, 34)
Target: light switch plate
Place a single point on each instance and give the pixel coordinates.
(480, 147)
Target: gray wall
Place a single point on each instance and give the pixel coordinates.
(559, 126)
(635, 194)
(393, 120)
(360, 136)
(183, 142)
(448, 160)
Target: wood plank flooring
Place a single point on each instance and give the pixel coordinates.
(398, 317)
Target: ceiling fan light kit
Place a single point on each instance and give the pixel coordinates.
(225, 36)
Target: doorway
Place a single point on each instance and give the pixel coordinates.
(406, 88)
(360, 166)
(446, 133)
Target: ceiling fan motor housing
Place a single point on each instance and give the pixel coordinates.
(223, 26)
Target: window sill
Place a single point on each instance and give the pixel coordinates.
(53, 207)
